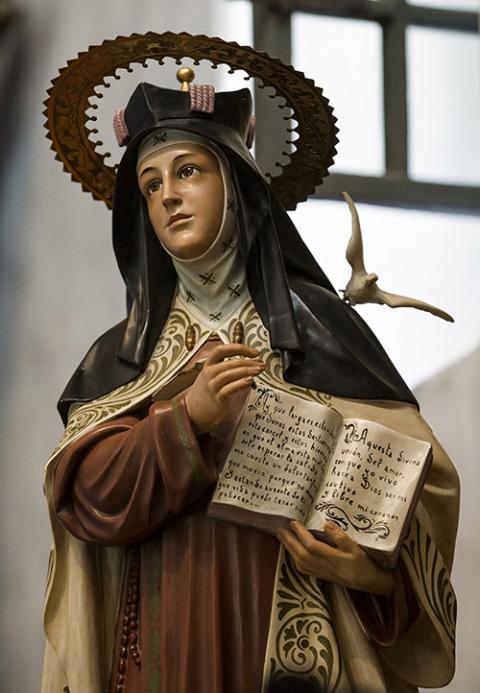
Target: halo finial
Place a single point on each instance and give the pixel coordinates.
(185, 75)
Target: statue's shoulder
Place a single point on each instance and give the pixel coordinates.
(93, 375)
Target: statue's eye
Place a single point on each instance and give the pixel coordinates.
(153, 186)
(188, 171)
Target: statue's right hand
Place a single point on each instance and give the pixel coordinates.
(222, 375)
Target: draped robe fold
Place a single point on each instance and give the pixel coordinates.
(285, 624)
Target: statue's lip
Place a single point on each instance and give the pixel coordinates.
(177, 217)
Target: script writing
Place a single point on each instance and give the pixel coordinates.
(279, 454)
(370, 482)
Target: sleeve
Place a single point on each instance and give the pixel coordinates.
(127, 477)
(414, 628)
(386, 618)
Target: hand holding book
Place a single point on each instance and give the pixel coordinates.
(345, 563)
(293, 459)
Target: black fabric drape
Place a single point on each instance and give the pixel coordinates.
(324, 343)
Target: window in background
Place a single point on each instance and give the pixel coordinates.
(443, 106)
(369, 68)
(403, 81)
(344, 56)
(427, 255)
(468, 5)
(233, 21)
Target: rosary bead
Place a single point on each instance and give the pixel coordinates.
(130, 624)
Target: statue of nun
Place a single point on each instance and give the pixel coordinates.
(146, 592)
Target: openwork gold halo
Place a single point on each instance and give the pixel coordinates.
(70, 94)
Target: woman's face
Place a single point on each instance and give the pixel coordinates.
(183, 187)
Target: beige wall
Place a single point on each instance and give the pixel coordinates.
(449, 402)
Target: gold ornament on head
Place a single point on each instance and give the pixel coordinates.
(303, 102)
(185, 75)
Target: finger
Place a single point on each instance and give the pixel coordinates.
(340, 538)
(305, 537)
(297, 549)
(215, 369)
(304, 561)
(314, 546)
(291, 543)
(233, 374)
(228, 351)
(230, 389)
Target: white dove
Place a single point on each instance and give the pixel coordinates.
(362, 286)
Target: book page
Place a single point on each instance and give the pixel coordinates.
(371, 483)
(279, 454)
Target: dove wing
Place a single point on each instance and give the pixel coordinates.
(354, 252)
(397, 301)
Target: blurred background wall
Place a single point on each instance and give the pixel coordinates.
(60, 288)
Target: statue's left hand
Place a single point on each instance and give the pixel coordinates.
(346, 562)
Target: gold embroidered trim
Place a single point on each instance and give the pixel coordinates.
(169, 356)
(302, 643)
(190, 337)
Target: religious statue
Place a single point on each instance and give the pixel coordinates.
(146, 592)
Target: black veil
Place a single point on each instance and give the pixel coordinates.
(324, 343)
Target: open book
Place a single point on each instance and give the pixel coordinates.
(294, 459)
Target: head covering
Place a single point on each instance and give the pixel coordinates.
(212, 285)
(324, 343)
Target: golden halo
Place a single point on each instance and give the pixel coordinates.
(70, 92)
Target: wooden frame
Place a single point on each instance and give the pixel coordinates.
(272, 33)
